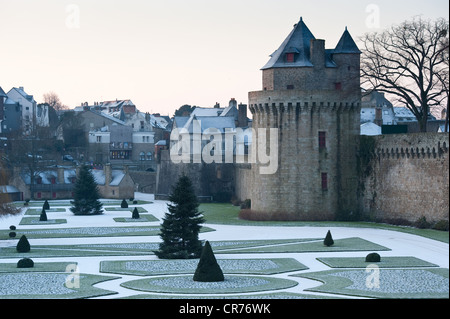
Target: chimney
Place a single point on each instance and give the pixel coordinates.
(108, 173)
(317, 53)
(217, 106)
(60, 174)
(378, 116)
(232, 102)
(242, 115)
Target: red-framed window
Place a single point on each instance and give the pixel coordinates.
(290, 57)
(322, 139)
(324, 181)
(53, 194)
(338, 86)
(39, 195)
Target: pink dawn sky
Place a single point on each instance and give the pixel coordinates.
(163, 54)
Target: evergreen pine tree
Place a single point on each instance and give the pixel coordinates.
(135, 214)
(46, 205)
(86, 194)
(23, 246)
(181, 224)
(124, 204)
(43, 217)
(328, 241)
(208, 270)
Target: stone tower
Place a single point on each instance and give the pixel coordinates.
(312, 96)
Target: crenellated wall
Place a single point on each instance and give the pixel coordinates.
(296, 190)
(407, 178)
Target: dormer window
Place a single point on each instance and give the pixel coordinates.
(290, 57)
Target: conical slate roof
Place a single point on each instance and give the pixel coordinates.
(346, 44)
(299, 42)
(2, 93)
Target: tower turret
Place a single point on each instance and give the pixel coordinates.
(311, 95)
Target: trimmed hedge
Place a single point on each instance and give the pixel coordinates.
(23, 246)
(25, 263)
(373, 258)
(328, 241)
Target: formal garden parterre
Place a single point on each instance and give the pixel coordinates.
(261, 267)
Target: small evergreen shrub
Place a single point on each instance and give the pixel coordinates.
(12, 234)
(422, 223)
(208, 270)
(247, 204)
(135, 214)
(131, 199)
(328, 241)
(135, 202)
(25, 263)
(373, 258)
(124, 204)
(23, 246)
(441, 225)
(12, 227)
(43, 217)
(46, 205)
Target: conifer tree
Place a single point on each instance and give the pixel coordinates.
(208, 270)
(124, 204)
(328, 241)
(46, 205)
(135, 214)
(86, 194)
(43, 217)
(181, 224)
(23, 246)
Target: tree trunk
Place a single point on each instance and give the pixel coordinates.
(423, 123)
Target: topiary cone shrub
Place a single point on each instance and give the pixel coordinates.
(135, 214)
(43, 217)
(208, 270)
(328, 241)
(373, 258)
(23, 246)
(124, 204)
(25, 263)
(46, 205)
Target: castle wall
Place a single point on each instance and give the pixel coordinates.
(212, 182)
(295, 191)
(408, 178)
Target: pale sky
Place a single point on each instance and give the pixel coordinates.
(163, 54)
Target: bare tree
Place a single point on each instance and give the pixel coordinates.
(52, 99)
(444, 78)
(408, 61)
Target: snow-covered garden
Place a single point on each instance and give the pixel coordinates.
(112, 256)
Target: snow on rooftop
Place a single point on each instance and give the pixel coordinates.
(370, 129)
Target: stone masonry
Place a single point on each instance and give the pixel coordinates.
(312, 96)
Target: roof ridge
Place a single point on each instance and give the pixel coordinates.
(346, 44)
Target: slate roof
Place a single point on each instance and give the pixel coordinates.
(116, 177)
(346, 44)
(2, 93)
(207, 122)
(299, 43)
(46, 176)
